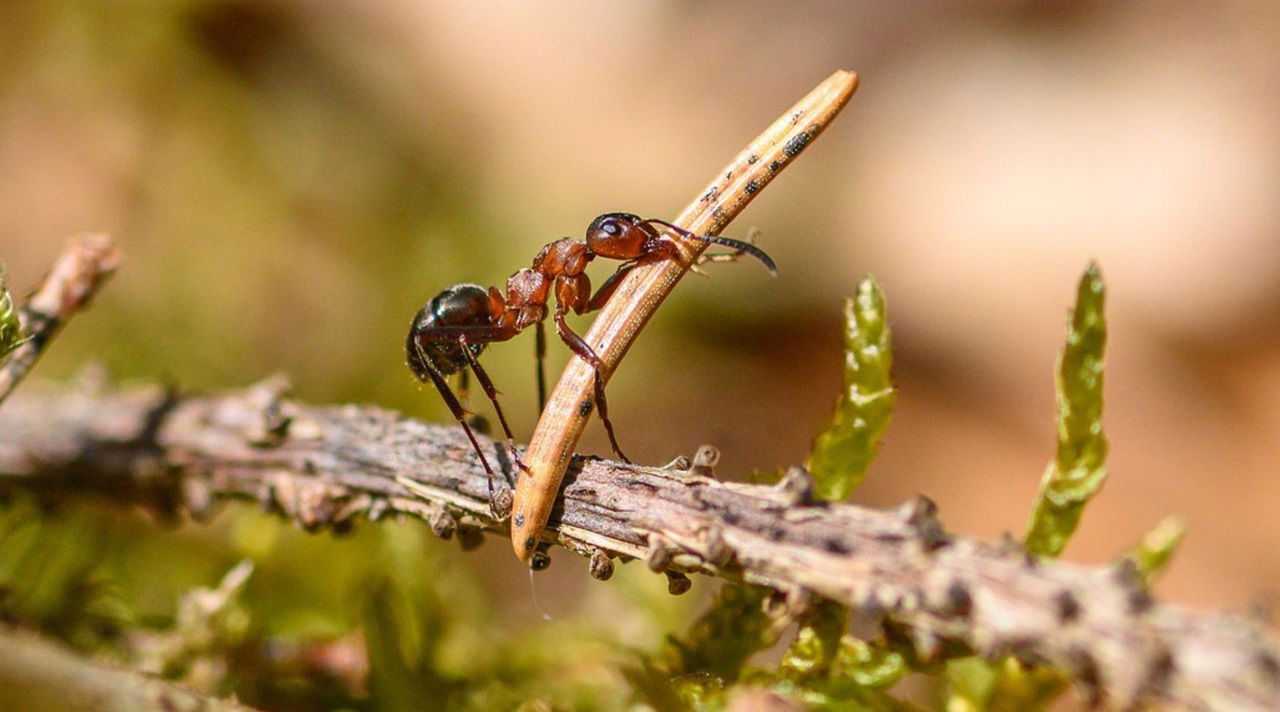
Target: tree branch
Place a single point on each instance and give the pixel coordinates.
(76, 275)
(40, 675)
(323, 466)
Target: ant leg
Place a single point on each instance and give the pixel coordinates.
(459, 414)
(487, 385)
(540, 351)
(610, 286)
(584, 351)
(464, 391)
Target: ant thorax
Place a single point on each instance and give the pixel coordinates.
(565, 256)
(526, 299)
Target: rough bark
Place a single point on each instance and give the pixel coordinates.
(322, 466)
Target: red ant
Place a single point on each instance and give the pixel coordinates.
(449, 332)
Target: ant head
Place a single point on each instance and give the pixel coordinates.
(618, 236)
(612, 224)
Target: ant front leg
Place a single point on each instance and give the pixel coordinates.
(607, 289)
(572, 291)
(584, 351)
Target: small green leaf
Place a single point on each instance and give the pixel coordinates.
(1078, 470)
(857, 677)
(1005, 686)
(1152, 553)
(840, 456)
(969, 681)
(10, 328)
(868, 664)
(817, 642)
(726, 636)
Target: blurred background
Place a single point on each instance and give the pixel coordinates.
(289, 180)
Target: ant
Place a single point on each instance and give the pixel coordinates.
(453, 328)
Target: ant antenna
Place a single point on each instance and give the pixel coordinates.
(739, 245)
(533, 597)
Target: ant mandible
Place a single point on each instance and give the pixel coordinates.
(453, 328)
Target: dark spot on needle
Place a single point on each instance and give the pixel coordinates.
(584, 408)
(774, 166)
(528, 544)
(752, 159)
(796, 144)
(519, 520)
(751, 187)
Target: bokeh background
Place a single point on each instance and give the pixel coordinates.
(290, 179)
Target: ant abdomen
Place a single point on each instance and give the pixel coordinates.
(459, 305)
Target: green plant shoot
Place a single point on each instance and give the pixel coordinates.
(10, 328)
(1152, 553)
(818, 662)
(1078, 470)
(839, 458)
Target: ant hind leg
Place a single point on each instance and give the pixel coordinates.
(489, 390)
(459, 414)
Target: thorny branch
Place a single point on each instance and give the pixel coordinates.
(323, 466)
(81, 268)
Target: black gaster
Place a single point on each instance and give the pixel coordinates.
(459, 305)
